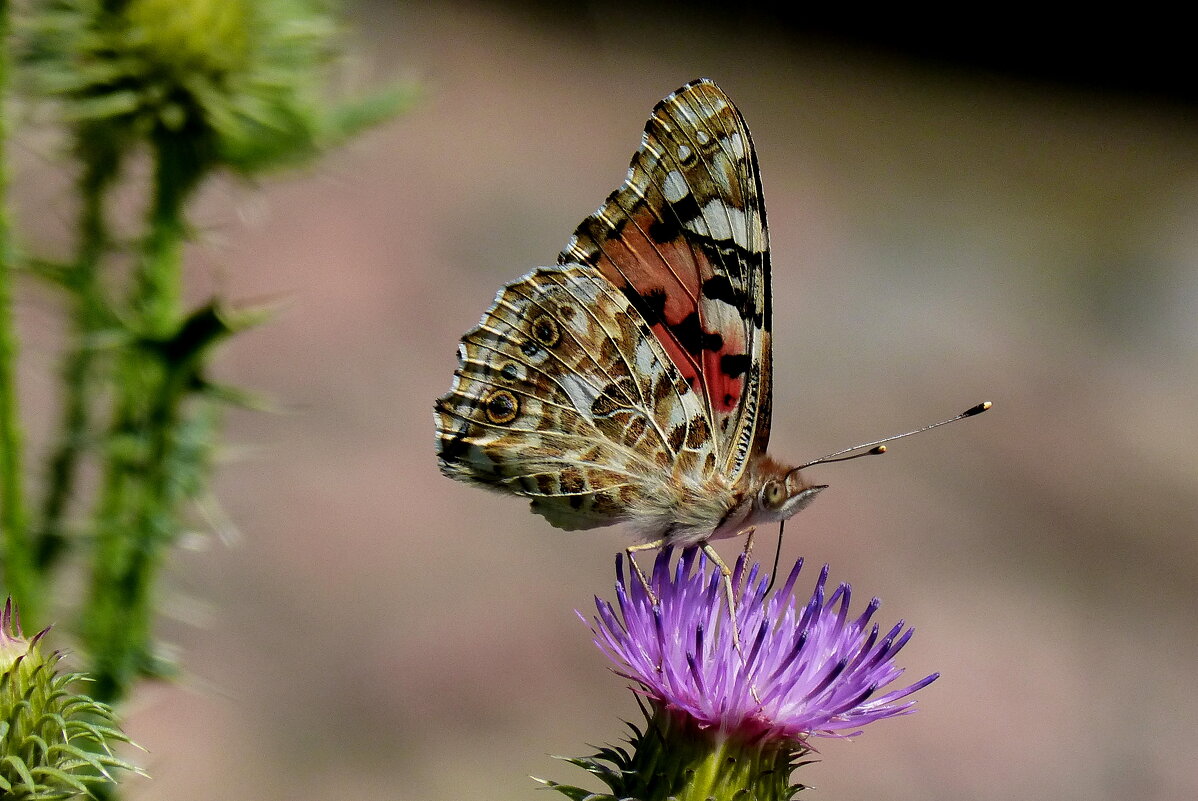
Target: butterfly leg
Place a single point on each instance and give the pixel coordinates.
(725, 573)
(749, 541)
(748, 548)
(644, 546)
(729, 592)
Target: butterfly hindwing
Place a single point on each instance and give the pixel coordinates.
(685, 240)
(562, 394)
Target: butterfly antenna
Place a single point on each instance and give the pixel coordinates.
(877, 447)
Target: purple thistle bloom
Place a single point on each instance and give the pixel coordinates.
(802, 671)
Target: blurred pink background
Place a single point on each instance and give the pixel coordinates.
(378, 631)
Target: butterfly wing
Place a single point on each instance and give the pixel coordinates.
(684, 239)
(563, 394)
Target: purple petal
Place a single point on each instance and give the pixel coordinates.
(808, 670)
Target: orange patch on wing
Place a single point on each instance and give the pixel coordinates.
(673, 266)
(724, 391)
(667, 279)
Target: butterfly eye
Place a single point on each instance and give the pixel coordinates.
(773, 494)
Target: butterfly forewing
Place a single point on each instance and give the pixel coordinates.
(684, 238)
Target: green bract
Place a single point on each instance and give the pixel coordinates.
(241, 82)
(672, 758)
(54, 742)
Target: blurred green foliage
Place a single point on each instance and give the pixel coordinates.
(196, 87)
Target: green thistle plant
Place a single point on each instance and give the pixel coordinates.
(190, 88)
(194, 87)
(54, 742)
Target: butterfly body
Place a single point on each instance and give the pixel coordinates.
(630, 383)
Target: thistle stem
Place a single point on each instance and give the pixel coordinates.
(90, 313)
(20, 578)
(142, 483)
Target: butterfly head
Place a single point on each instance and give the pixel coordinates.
(781, 493)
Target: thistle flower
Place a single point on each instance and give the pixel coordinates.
(54, 742)
(724, 723)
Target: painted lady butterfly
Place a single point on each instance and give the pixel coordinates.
(631, 382)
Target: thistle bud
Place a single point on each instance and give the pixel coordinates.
(54, 742)
(234, 83)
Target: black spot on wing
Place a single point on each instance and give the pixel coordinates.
(686, 208)
(663, 387)
(670, 227)
(691, 336)
(453, 448)
(734, 365)
(572, 481)
(677, 437)
(665, 231)
(698, 433)
(618, 227)
(718, 287)
(741, 267)
(650, 305)
(611, 400)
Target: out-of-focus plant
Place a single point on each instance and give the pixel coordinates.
(55, 742)
(194, 88)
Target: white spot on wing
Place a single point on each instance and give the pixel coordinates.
(678, 415)
(674, 187)
(582, 395)
(725, 222)
(582, 288)
(737, 143)
(646, 359)
(718, 216)
(684, 152)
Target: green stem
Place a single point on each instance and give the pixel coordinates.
(137, 516)
(89, 315)
(19, 576)
(180, 163)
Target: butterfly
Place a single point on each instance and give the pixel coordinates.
(631, 382)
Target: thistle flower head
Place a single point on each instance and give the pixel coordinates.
(733, 723)
(803, 671)
(54, 742)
